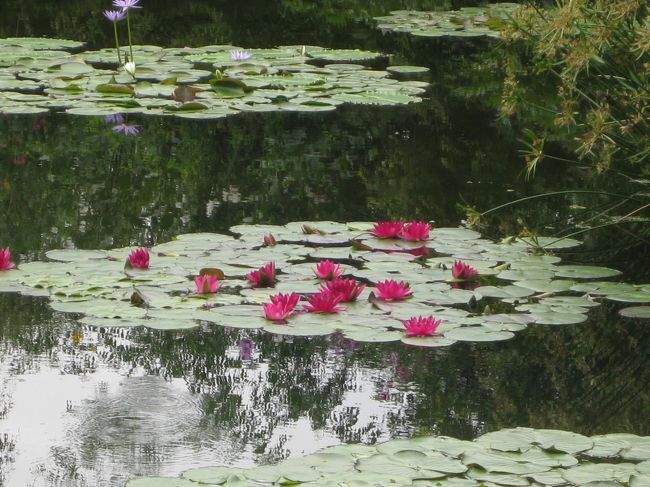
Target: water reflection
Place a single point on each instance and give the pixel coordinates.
(87, 406)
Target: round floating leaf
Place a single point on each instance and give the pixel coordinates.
(603, 472)
(585, 272)
(642, 312)
(630, 297)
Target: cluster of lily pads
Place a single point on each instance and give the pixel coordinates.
(516, 284)
(41, 75)
(513, 457)
(468, 22)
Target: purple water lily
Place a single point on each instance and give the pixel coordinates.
(237, 55)
(126, 129)
(114, 15)
(126, 4)
(117, 118)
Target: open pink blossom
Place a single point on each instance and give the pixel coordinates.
(264, 277)
(420, 326)
(281, 306)
(324, 302)
(415, 231)
(348, 289)
(269, 240)
(139, 258)
(206, 284)
(390, 229)
(328, 270)
(391, 290)
(5, 260)
(463, 271)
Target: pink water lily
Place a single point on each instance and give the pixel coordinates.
(206, 284)
(348, 289)
(281, 306)
(416, 231)
(326, 269)
(139, 258)
(463, 271)
(324, 302)
(420, 326)
(5, 260)
(264, 277)
(391, 290)
(387, 229)
(269, 240)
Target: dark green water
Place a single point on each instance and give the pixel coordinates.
(86, 407)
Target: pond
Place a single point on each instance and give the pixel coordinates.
(82, 405)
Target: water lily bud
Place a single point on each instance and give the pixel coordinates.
(130, 68)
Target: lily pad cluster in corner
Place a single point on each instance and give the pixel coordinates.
(39, 75)
(514, 457)
(468, 22)
(518, 286)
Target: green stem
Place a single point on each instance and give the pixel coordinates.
(554, 193)
(117, 45)
(128, 28)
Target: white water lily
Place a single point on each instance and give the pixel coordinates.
(130, 68)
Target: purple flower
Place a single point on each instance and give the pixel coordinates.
(126, 4)
(237, 55)
(126, 129)
(117, 118)
(114, 15)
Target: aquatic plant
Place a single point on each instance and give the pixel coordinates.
(281, 306)
(116, 16)
(263, 277)
(239, 55)
(348, 289)
(206, 284)
(417, 231)
(421, 326)
(5, 259)
(328, 270)
(126, 6)
(139, 258)
(324, 302)
(126, 129)
(387, 229)
(391, 290)
(464, 272)
(269, 240)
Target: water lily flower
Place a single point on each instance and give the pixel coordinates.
(421, 326)
(348, 289)
(281, 306)
(324, 302)
(116, 118)
(126, 129)
(264, 277)
(328, 270)
(237, 55)
(269, 240)
(139, 258)
(415, 231)
(5, 260)
(126, 4)
(114, 15)
(390, 229)
(465, 272)
(206, 284)
(391, 290)
(130, 68)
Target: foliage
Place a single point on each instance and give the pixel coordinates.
(590, 59)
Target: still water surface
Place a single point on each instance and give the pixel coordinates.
(81, 406)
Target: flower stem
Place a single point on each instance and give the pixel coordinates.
(128, 28)
(117, 44)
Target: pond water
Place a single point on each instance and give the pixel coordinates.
(82, 406)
